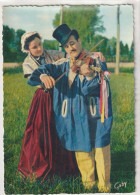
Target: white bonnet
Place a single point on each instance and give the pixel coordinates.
(24, 37)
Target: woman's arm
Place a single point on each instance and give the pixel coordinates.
(56, 55)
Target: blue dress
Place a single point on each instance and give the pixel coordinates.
(76, 108)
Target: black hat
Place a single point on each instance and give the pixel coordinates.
(62, 33)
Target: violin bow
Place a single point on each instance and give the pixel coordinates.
(74, 64)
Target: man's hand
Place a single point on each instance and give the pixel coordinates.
(39, 86)
(85, 70)
(99, 55)
(48, 81)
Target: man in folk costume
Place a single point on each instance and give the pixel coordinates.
(82, 106)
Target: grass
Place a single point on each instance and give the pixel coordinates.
(122, 70)
(17, 99)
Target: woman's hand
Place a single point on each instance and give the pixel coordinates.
(99, 55)
(48, 81)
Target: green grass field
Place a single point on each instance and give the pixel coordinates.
(17, 99)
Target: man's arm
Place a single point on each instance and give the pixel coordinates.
(103, 65)
(91, 82)
(45, 75)
(90, 86)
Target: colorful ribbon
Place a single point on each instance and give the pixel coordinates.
(103, 109)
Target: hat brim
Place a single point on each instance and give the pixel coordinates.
(66, 40)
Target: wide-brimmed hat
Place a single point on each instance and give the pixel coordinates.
(62, 34)
(25, 37)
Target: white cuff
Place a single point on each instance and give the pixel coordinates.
(90, 78)
(43, 75)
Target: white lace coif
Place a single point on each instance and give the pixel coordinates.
(24, 37)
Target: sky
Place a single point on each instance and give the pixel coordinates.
(37, 18)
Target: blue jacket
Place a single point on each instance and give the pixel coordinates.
(77, 118)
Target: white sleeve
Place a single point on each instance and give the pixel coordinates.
(27, 70)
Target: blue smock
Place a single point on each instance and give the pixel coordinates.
(76, 108)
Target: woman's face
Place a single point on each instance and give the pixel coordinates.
(36, 47)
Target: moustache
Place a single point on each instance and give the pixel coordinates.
(73, 50)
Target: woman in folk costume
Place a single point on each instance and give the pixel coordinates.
(41, 152)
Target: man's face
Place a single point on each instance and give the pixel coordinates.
(73, 47)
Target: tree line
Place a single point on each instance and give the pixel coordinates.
(89, 24)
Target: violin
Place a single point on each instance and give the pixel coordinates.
(86, 59)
